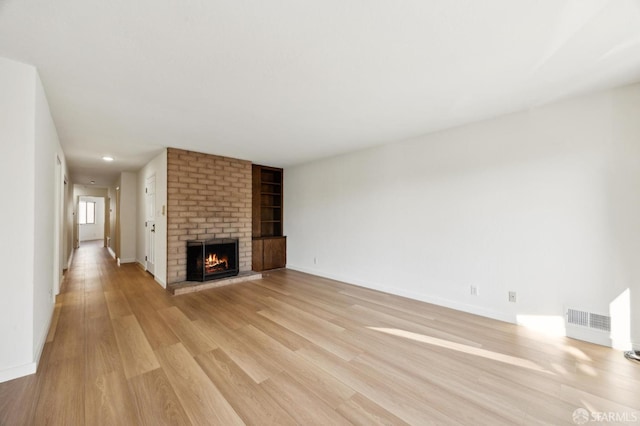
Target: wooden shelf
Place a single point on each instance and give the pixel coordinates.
(269, 248)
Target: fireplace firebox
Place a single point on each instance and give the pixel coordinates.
(212, 259)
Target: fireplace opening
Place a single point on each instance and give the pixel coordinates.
(212, 259)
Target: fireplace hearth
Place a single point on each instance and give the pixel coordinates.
(212, 259)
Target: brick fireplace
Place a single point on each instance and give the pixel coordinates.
(208, 197)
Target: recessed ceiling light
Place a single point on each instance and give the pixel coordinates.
(93, 182)
(107, 158)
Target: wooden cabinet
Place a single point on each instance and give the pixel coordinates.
(269, 249)
(269, 253)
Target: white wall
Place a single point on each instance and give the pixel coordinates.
(93, 231)
(28, 149)
(157, 167)
(89, 191)
(623, 199)
(47, 151)
(17, 151)
(544, 203)
(128, 216)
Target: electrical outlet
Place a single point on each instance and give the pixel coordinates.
(315, 260)
(474, 290)
(512, 296)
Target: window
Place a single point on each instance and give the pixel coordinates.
(87, 212)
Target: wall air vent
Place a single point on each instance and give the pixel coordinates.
(589, 319)
(576, 317)
(588, 326)
(600, 322)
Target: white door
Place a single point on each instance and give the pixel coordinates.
(150, 223)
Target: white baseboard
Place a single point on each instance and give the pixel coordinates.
(587, 335)
(126, 260)
(18, 371)
(159, 281)
(32, 367)
(73, 251)
(111, 252)
(476, 310)
(143, 265)
(43, 339)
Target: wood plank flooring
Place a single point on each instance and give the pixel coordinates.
(292, 348)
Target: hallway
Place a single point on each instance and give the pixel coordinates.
(296, 349)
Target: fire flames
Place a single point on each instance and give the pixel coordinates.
(213, 263)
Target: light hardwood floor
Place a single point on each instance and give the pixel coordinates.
(292, 348)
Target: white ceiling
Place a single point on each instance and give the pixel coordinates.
(283, 82)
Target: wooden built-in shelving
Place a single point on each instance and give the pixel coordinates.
(269, 245)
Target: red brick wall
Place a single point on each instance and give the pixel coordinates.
(208, 197)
